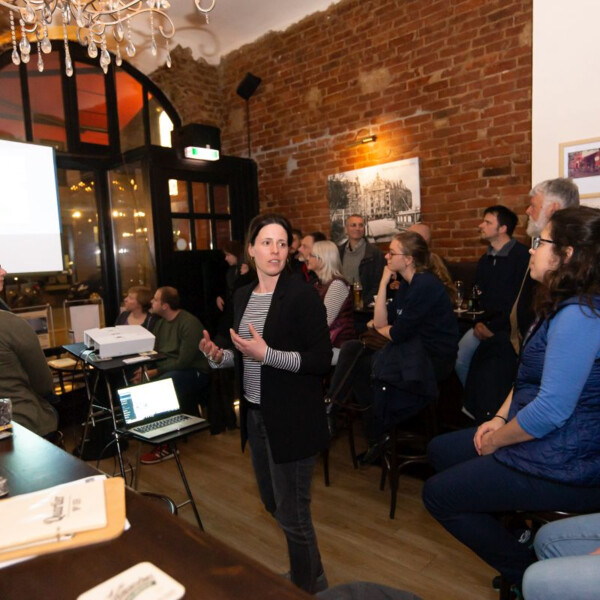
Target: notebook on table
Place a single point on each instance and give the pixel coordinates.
(152, 409)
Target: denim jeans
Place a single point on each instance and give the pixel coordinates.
(468, 491)
(285, 491)
(466, 348)
(565, 570)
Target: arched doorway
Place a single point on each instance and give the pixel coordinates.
(111, 134)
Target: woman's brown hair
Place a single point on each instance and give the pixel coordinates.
(577, 274)
(143, 295)
(415, 245)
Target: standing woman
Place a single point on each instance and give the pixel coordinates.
(282, 350)
(335, 291)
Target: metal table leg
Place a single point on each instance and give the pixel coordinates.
(173, 448)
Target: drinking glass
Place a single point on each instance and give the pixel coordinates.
(460, 294)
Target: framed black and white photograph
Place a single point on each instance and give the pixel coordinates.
(580, 160)
(388, 196)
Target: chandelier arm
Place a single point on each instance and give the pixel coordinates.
(127, 6)
(94, 19)
(205, 10)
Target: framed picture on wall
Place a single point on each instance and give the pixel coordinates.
(580, 160)
(387, 196)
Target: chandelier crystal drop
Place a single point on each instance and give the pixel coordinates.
(95, 21)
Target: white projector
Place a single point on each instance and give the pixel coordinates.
(109, 342)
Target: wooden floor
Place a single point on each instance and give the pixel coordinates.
(357, 539)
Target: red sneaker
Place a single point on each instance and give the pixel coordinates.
(156, 455)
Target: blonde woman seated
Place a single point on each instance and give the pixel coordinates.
(137, 308)
(335, 292)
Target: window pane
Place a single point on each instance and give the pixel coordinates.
(80, 242)
(223, 228)
(181, 234)
(131, 211)
(47, 110)
(221, 198)
(12, 126)
(178, 195)
(130, 102)
(200, 197)
(91, 100)
(160, 123)
(203, 237)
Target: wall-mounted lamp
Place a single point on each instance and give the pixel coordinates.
(364, 140)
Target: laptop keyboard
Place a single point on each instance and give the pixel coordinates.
(162, 423)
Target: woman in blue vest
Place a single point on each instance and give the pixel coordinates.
(541, 451)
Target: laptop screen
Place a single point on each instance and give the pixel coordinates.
(142, 402)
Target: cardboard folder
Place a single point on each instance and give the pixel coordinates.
(114, 491)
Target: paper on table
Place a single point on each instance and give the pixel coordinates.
(143, 581)
(54, 514)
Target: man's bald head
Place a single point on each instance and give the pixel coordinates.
(423, 230)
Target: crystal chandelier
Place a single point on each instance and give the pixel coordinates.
(96, 20)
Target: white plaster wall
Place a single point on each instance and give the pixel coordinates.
(566, 79)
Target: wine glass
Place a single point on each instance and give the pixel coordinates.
(476, 295)
(460, 294)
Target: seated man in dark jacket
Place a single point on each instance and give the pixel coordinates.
(499, 275)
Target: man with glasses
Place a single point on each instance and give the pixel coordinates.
(544, 200)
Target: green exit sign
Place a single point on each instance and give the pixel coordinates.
(198, 153)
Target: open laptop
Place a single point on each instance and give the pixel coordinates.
(152, 409)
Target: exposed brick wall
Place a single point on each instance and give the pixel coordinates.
(448, 81)
(192, 86)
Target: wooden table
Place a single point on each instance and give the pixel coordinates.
(206, 567)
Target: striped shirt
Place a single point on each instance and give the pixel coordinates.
(256, 314)
(334, 299)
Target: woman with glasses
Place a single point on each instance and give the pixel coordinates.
(541, 451)
(421, 319)
(335, 291)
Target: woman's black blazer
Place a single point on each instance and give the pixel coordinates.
(291, 403)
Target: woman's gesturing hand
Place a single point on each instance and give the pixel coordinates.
(255, 347)
(210, 349)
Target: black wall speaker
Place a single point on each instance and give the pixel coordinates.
(195, 134)
(248, 86)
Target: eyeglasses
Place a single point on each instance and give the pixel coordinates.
(536, 241)
(390, 253)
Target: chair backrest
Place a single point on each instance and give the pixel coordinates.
(81, 315)
(340, 388)
(40, 319)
